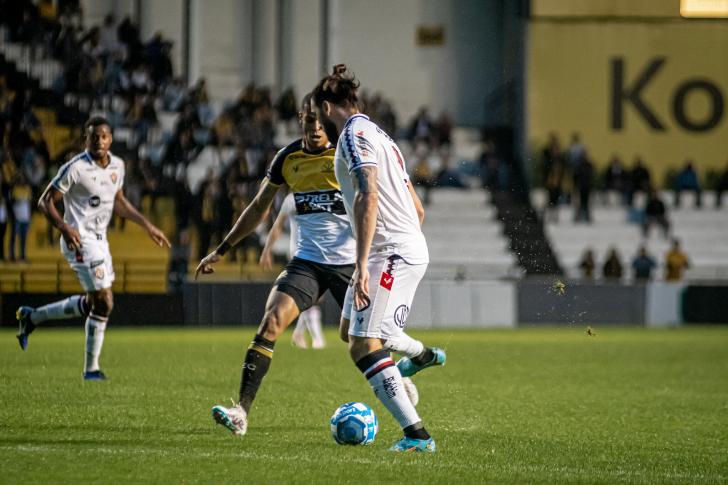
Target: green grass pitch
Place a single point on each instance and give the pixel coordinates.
(547, 405)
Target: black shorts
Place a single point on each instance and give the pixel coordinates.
(305, 281)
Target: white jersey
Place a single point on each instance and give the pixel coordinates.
(362, 143)
(288, 207)
(88, 193)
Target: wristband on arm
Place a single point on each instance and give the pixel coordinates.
(223, 248)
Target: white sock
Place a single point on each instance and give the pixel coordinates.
(386, 382)
(405, 345)
(95, 330)
(300, 325)
(73, 306)
(313, 324)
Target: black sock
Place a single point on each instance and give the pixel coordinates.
(257, 362)
(425, 357)
(416, 432)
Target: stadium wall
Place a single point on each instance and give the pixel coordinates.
(438, 304)
(651, 87)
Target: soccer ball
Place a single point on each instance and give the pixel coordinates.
(354, 423)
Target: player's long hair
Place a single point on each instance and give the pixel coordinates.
(340, 88)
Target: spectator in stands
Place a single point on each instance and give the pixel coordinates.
(421, 128)
(687, 179)
(141, 117)
(443, 130)
(21, 195)
(639, 180)
(448, 176)
(208, 217)
(575, 153)
(721, 187)
(587, 265)
(643, 264)
(615, 180)
(422, 177)
(179, 261)
(554, 182)
(612, 269)
(287, 106)
(676, 262)
(157, 55)
(109, 38)
(655, 213)
(583, 183)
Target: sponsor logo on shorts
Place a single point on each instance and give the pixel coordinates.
(98, 262)
(386, 281)
(99, 272)
(400, 315)
(94, 201)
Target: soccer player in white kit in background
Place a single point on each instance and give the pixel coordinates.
(391, 252)
(90, 186)
(309, 319)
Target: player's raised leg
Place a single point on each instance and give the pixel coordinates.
(416, 355)
(28, 318)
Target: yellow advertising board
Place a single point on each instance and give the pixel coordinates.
(654, 89)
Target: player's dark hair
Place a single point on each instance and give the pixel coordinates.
(340, 88)
(95, 121)
(305, 101)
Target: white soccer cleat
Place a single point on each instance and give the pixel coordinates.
(411, 390)
(235, 418)
(318, 344)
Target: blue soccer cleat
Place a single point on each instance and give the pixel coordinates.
(411, 445)
(94, 375)
(408, 368)
(26, 327)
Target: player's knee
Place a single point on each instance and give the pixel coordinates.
(273, 325)
(102, 303)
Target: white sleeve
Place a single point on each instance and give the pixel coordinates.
(122, 175)
(289, 206)
(358, 148)
(65, 178)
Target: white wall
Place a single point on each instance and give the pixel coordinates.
(221, 44)
(377, 39)
(301, 63)
(94, 11)
(468, 304)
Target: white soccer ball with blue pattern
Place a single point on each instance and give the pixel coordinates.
(354, 423)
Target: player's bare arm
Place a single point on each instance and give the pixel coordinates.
(366, 202)
(266, 255)
(251, 217)
(418, 203)
(124, 208)
(48, 206)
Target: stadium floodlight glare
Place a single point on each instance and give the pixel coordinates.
(704, 8)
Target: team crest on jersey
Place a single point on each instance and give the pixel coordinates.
(99, 272)
(328, 166)
(114, 177)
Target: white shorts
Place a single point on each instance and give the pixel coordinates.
(92, 263)
(392, 287)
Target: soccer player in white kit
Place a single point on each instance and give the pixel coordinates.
(309, 319)
(391, 251)
(90, 186)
